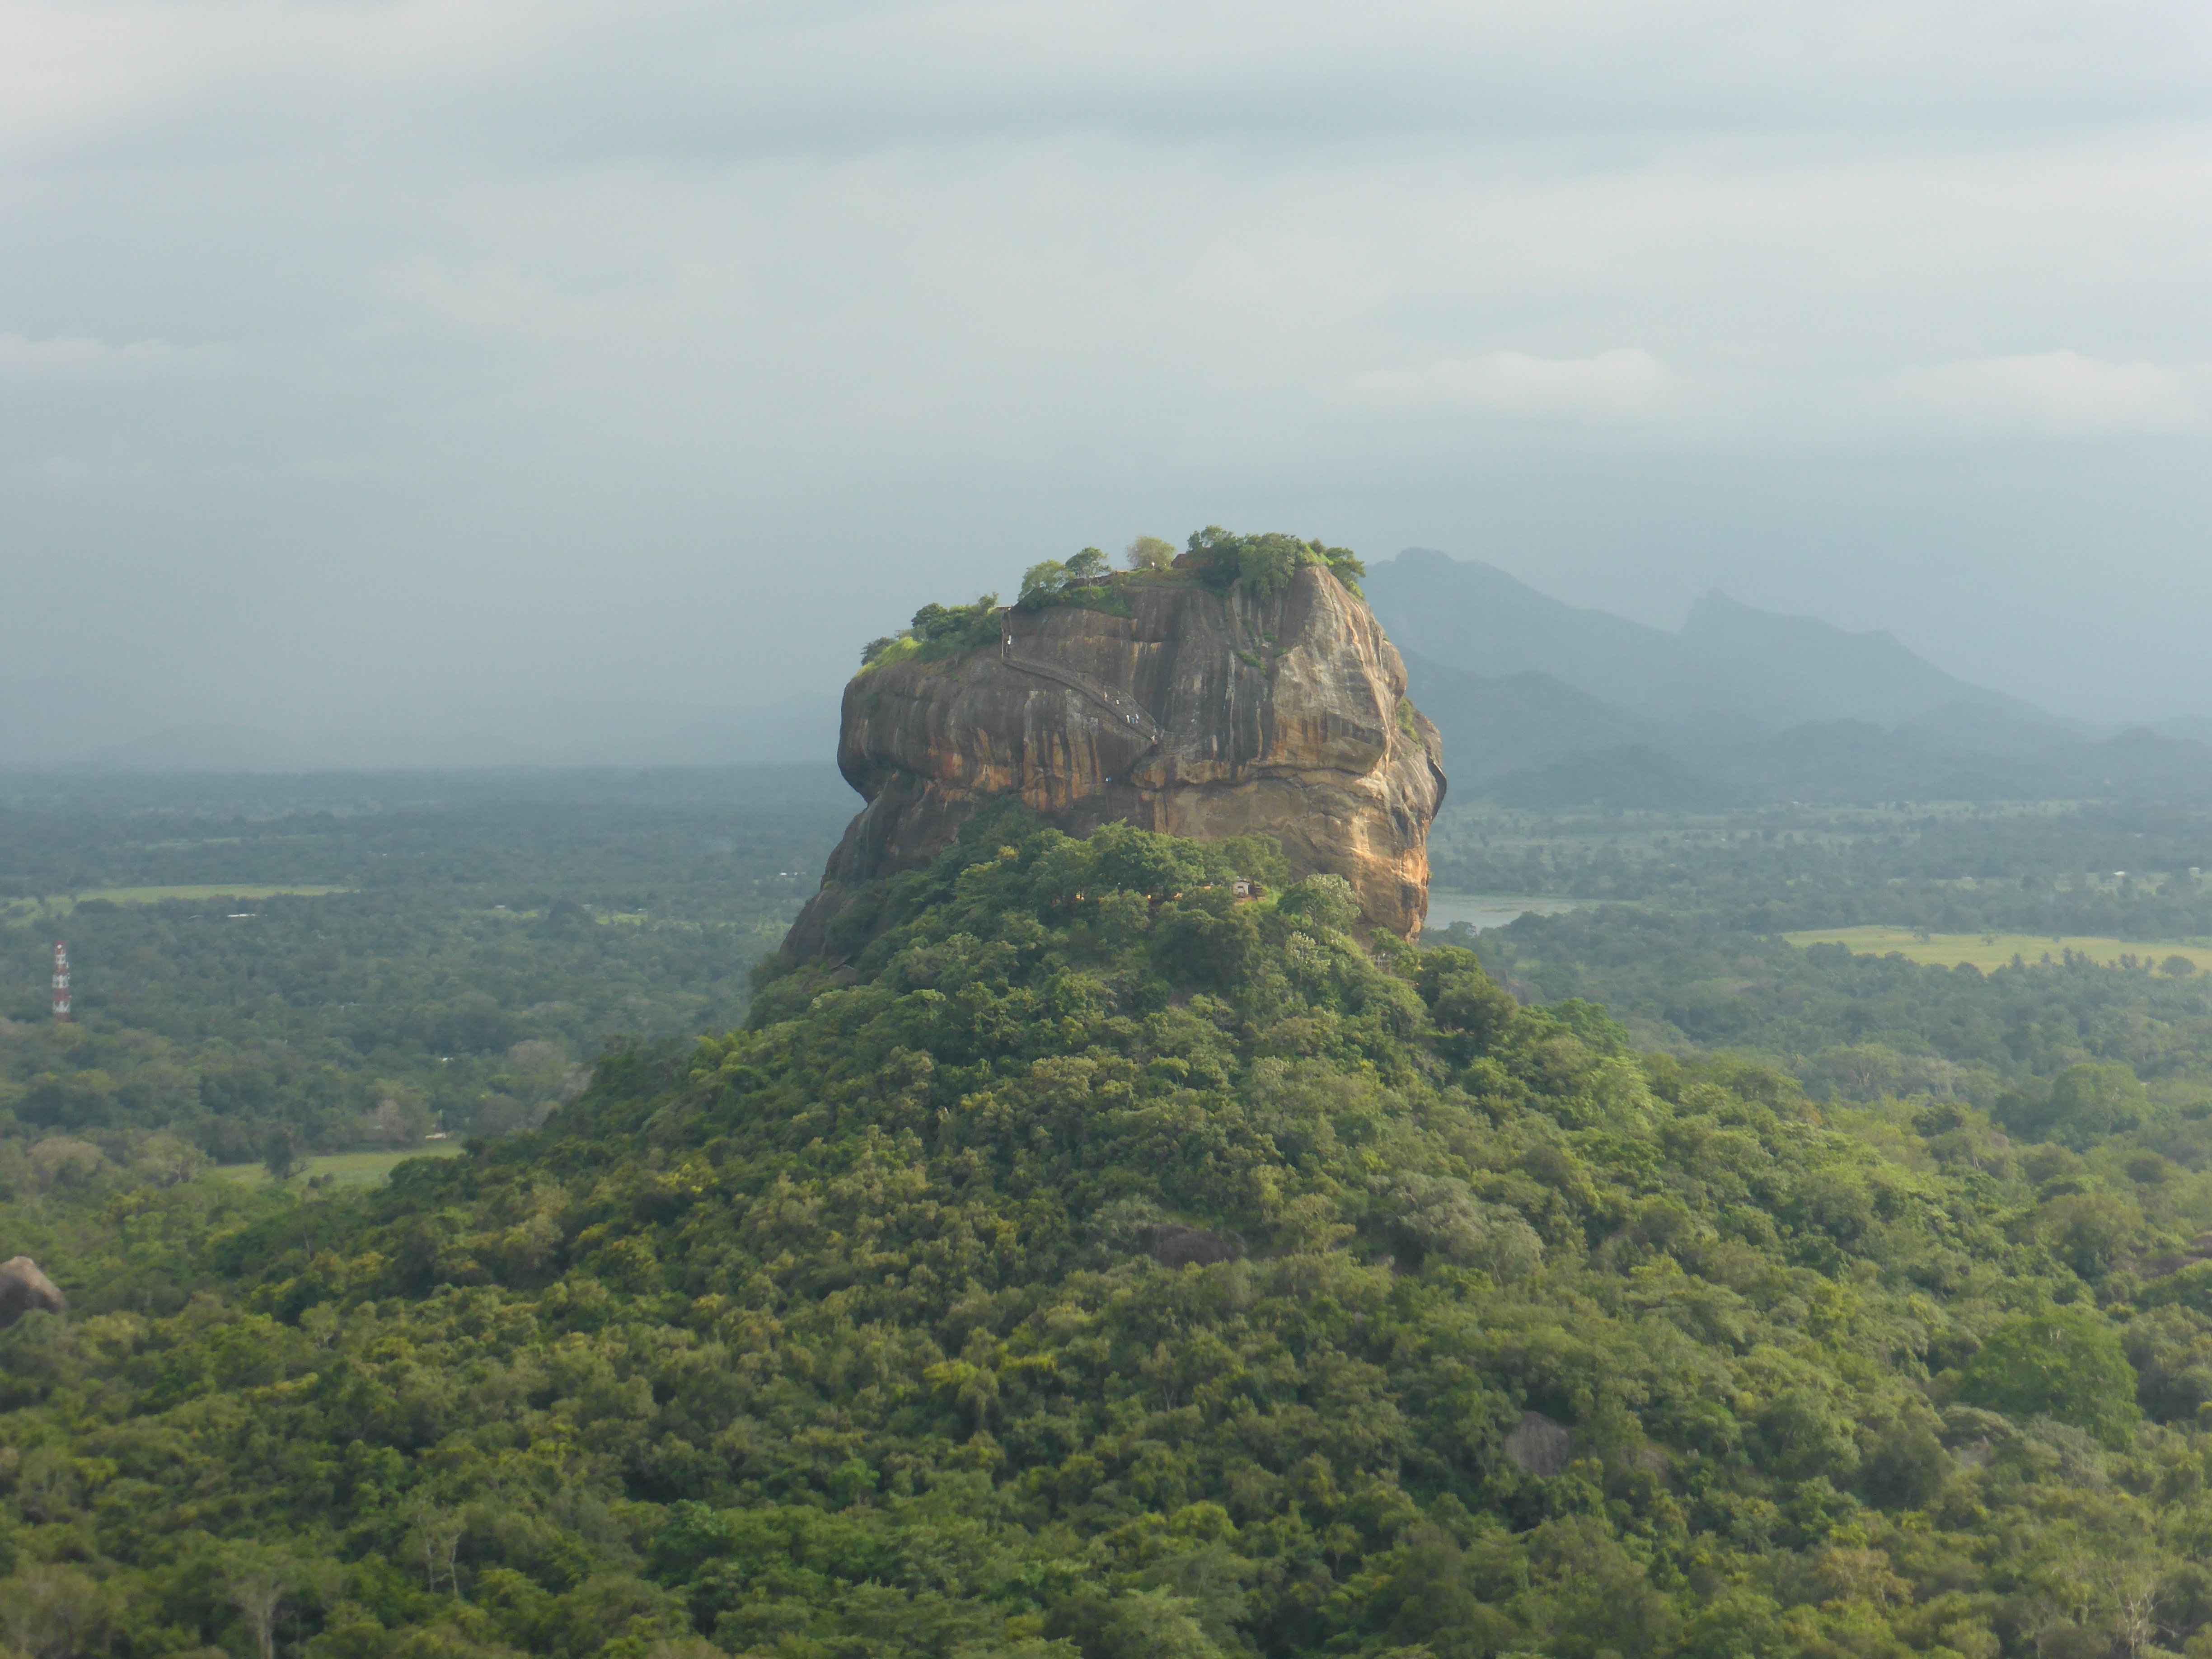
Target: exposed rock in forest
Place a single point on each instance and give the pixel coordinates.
(1199, 713)
(24, 1289)
(1539, 1445)
(1174, 1245)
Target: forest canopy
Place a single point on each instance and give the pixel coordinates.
(1108, 1264)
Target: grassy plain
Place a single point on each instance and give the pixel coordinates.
(1987, 951)
(345, 1169)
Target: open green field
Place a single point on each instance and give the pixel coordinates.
(1987, 951)
(345, 1169)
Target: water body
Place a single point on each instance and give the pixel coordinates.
(1482, 911)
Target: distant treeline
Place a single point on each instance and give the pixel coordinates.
(482, 947)
(2106, 870)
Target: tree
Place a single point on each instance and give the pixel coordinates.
(2090, 1232)
(1051, 582)
(1205, 945)
(2066, 1364)
(1264, 564)
(1472, 1012)
(1149, 553)
(1144, 1624)
(945, 629)
(280, 1153)
(1322, 901)
(259, 1582)
(436, 1534)
(1427, 1600)
(51, 1612)
(390, 1124)
(1042, 583)
(2084, 1104)
(1343, 563)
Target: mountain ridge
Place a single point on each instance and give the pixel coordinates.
(1727, 657)
(1546, 704)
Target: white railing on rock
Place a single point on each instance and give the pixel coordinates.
(1125, 709)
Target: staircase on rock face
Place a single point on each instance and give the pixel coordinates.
(1125, 709)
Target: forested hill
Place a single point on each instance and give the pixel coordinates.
(1103, 1266)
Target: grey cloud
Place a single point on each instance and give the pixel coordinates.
(364, 359)
(77, 361)
(584, 81)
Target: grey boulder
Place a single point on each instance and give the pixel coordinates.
(24, 1288)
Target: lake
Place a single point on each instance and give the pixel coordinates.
(1482, 911)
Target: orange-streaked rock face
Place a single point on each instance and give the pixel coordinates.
(1280, 715)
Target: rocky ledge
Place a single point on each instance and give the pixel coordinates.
(1199, 713)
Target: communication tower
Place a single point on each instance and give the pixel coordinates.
(61, 980)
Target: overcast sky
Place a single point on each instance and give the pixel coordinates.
(425, 361)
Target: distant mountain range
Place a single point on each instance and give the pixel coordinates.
(1543, 703)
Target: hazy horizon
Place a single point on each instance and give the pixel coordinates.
(123, 727)
(403, 368)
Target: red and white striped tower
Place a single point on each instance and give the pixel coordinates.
(61, 980)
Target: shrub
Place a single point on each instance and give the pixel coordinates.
(938, 631)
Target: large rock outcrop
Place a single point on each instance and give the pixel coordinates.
(1199, 714)
(24, 1289)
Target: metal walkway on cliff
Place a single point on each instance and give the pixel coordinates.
(1125, 709)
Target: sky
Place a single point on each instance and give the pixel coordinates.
(474, 365)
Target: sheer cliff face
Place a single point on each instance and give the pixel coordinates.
(1198, 714)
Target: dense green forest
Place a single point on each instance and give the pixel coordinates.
(484, 935)
(2058, 868)
(1678, 938)
(1101, 1266)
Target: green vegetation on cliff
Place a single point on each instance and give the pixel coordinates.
(1265, 563)
(938, 631)
(1217, 558)
(1104, 1266)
